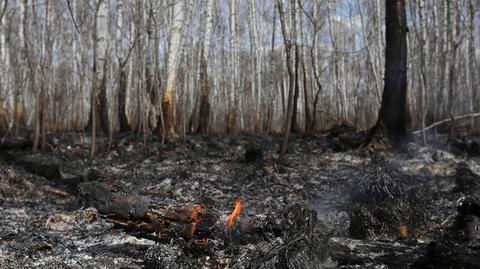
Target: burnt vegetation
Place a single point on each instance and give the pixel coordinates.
(239, 134)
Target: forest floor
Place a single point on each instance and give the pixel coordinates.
(318, 209)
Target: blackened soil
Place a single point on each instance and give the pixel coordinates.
(42, 227)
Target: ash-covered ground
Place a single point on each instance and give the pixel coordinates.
(318, 209)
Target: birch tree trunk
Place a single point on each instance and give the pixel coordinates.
(5, 88)
(423, 68)
(122, 74)
(18, 111)
(446, 60)
(40, 102)
(168, 102)
(380, 45)
(204, 118)
(232, 104)
(98, 110)
(255, 63)
(306, 101)
(452, 72)
(471, 57)
(288, 60)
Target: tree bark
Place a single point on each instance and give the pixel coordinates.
(423, 66)
(394, 115)
(99, 110)
(122, 74)
(232, 98)
(296, 92)
(204, 118)
(168, 100)
(288, 47)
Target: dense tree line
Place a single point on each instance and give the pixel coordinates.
(215, 66)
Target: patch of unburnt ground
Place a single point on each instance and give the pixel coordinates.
(303, 213)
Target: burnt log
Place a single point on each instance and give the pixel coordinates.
(465, 146)
(110, 200)
(139, 214)
(48, 166)
(19, 143)
(253, 154)
(344, 137)
(394, 254)
(448, 255)
(403, 254)
(466, 180)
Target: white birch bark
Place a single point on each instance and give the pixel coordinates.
(118, 32)
(423, 72)
(471, 57)
(208, 30)
(102, 37)
(255, 61)
(3, 59)
(172, 65)
(234, 62)
(446, 53)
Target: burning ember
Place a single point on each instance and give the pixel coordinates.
(233, 216)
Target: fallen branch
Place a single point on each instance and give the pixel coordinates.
(473, 115)
(348, 251)
(20, 143)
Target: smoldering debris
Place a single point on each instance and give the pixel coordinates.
(130, 208)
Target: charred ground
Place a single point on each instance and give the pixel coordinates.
(328, 205)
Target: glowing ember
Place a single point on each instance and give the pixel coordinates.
(233, 216)
(202, 242)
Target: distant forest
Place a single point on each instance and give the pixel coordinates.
(173, 67)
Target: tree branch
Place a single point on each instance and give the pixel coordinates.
(73, 17)
(3, 10)
(472, 115)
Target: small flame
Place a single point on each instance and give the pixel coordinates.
(195, 218)
(233, 216)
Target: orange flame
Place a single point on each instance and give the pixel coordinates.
(195, 218)
(233, 216)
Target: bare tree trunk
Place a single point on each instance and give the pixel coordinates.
(270, 103)
(288, 46)
(471, 76)
(294, 127)
(204, 82)
(306, 102)
(443, 96)
(455, 42)
(394, 116)
(99, 111)
(40, 102)
(423, 68)
(5, 88)
(232, 98)
(168, 102)
(122, 74)
(255, 63)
